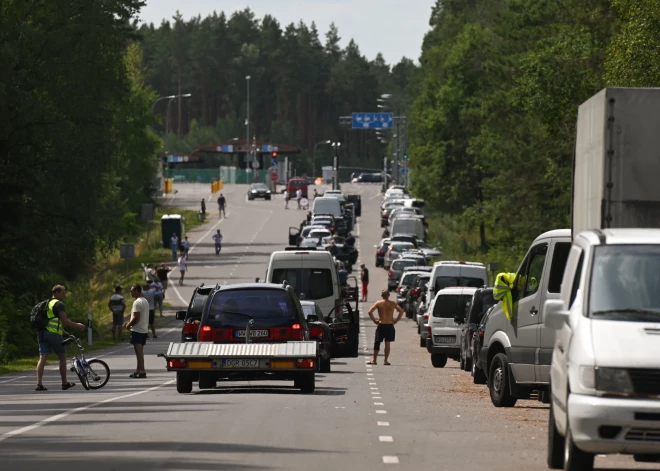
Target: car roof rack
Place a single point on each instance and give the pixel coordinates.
(456, 262)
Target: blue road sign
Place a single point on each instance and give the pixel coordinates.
(373, 120)
(227, 148)
(266, 148)
(403, 170)
(273, 163)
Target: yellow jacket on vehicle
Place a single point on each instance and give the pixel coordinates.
(502, 292)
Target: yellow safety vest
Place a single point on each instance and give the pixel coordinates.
(502, 292)
(54, 324)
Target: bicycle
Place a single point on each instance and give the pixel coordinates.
(90, 372)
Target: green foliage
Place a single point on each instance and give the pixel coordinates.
(76, 153)
(298, 86)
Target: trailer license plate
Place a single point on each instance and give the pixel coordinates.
(240, 363)
(445, 339)
(240, 334)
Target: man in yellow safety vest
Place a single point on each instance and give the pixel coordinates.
(50, 338)
(503, 290)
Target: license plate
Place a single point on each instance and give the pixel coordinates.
(445, 339)
(240, 334)
(240, 363)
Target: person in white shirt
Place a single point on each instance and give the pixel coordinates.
(298, 196)
(182, 268)
(139, 327)
(149, 293)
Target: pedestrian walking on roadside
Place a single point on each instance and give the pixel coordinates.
(162, 273)
(364, 278)
(50, 338)
(186, 246)
(158, 296)
(138, 325)
(149, 273)
(149, 293)
(217, 238)
(117, 306)
(203, 209)
(385, 322)
(222, 205)
(174, 245)
(286, 199)
(298, 196)
(182, 268)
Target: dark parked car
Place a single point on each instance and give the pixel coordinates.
(258, 190)
(478, 369)
(414, 293)
(380, 251)
(357, 203)
(192, 316)
(320, 331)
(482, 300)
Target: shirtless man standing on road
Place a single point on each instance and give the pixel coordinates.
(385, 330)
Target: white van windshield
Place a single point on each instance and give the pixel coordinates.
(625, 283)
(309, 283)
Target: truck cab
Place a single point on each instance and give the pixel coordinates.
(517, 352)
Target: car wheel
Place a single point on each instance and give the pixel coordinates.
(468, 363)
(438, 360)
(498, 382)
(478, 376)
(184, 383)
(306, 382)
(461, 361)
(574, 458)
(207, 381)
(555, 443)
(325, 366)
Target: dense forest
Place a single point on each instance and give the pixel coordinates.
(299, 84)
(493, 127)
(77, 156)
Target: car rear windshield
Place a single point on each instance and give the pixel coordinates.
(400, 247)
(297, 183)
(401, 264)
(197, 303)
(232, 307)
(443, 282)
(449, 305)
(409, 279)
(309, 283)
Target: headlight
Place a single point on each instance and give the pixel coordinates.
(268, 192)
(254, 191)
(614, 380)
(588, 376)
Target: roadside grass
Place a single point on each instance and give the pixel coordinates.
(89, 294)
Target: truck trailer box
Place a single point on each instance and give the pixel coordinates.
(617, 161)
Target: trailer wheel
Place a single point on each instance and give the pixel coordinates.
(325, 366)
(306, 382)
(184, 383)
(207, 380)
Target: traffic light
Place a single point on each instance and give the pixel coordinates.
(274, 154)
(405, 156)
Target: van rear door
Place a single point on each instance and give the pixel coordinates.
(345, 330)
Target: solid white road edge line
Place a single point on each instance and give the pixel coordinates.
(54, 418)
(13, 379)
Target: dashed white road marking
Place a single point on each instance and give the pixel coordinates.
(381, 412)
(373, 384)
(385, 438)
(378, 404)
(376, 397)
(390, 460)
(14, 379)
(383, 424)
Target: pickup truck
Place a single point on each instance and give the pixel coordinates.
(248, 332)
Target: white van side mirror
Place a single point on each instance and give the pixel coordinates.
(554, 315)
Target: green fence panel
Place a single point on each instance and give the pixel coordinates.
(228, 175)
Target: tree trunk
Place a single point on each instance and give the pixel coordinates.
(178, 78)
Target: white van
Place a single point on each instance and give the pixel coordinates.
(327, 206)
(448, 274)
(312, 274)
(443, 339)
(408, 226)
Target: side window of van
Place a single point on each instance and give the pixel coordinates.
(529, 276)
(576, 281)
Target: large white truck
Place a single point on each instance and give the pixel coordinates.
(617, 163)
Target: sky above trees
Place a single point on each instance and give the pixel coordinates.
(393, 27)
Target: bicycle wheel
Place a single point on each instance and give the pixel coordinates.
(81, 372)
(98, 374)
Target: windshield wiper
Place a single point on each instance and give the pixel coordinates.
(639, 311)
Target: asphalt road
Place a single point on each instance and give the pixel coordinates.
(405, 416)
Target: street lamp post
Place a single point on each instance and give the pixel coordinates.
(159, 99)
(172, 98)
(314, 154)
(247, 121)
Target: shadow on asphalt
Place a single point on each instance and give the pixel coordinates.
(286, 390)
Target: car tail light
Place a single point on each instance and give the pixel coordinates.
(305, 363)
(189, 328)
(426, 316)
(389, 273)
(316, 332)
(415, 292)
(381, 252)
(399, 289)
(428, 327)
(176, 363)
(206, 334)
(481, 334)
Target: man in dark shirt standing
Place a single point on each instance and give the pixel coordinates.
(364, 278)
(222, 204)
(350, 240)
(50, 338)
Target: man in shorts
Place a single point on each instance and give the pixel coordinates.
(139, 327)
(385, 330)
(149, 293)
(117, 306)
(222, 205)
(50, 338)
